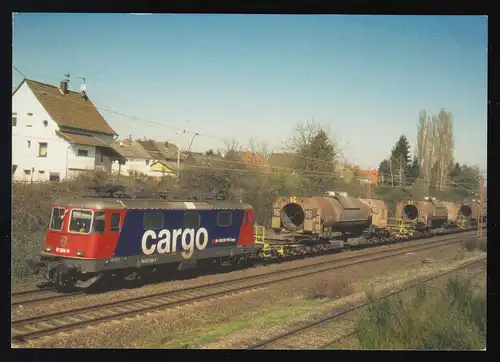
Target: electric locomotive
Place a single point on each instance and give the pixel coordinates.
(92, 237)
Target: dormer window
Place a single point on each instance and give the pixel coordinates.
(14, 119)
(30, 114)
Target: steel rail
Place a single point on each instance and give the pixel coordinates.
(38, 326)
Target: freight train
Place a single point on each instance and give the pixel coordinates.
(117, 236)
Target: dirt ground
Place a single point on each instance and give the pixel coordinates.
(240, 319)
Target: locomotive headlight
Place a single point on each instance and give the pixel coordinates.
(276, 212)
(309, 214)
(48, 249)
(80, 253)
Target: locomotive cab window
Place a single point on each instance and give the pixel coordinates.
(191, 220)
(80, 221)
(224, 219)
(99, 225)
(57, 218)
(115, 222)
(153, 220)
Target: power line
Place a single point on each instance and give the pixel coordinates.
(304, 172)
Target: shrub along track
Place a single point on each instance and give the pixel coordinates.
(29, 328)
(280, 341)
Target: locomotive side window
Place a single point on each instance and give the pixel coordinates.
(224, 218)
(99, 226)
(191, 220)
(153, 220)
(115, 222)
(80, 221)
(57, 218)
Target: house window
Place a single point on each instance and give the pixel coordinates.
(45, 123)
(83, 153)
(14, 119)
(27, 172)
(41, 172)
(153, 220)
(30, 114)
(147, 162)
(54, 176)
(42, 149)
(115, 222)
(224, 219)
(14, 168)
(29, 144)
(192, 220)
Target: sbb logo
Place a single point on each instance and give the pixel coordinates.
(168, 241)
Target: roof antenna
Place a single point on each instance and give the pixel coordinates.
(83, 88)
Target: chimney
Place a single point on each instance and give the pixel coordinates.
(63, 87)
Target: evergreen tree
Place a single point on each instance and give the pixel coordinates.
(400, 159)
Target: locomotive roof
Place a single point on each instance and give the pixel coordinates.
(111, 203)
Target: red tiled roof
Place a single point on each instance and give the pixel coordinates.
(69, 110)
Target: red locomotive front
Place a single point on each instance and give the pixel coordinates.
(82, 232)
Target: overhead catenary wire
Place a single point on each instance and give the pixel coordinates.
(303, 172)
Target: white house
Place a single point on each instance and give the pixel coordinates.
(57, 133)
(148, 157)
(134, 158)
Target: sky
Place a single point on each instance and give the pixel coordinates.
(236, 77)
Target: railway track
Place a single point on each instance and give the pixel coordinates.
(30, 328)
(315, 330)
(35, 296)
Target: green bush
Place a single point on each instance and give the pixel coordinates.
(470, 244)
(453, 319)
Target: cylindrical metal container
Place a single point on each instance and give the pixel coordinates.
(337, 212)
(452, 209)
(378, 211)
(429, 212)
(470, 210)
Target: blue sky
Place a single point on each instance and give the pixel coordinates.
(242, 76)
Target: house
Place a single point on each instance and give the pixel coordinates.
(253, 158)
(368, 176)
(57, 133)
(134, 158)
(147, 157)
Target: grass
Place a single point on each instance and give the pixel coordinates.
(234, 325)
(452, 319)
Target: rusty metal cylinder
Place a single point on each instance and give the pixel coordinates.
(339, 213)
(429, 211)
(470, 210)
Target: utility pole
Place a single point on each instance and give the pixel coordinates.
(481, 206)
(369, 191)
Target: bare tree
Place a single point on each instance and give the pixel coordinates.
(304, 144)
(445, 146)
(422, 141)
(257, 146)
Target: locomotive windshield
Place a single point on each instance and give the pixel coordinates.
(57, 218)
(80, 221)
